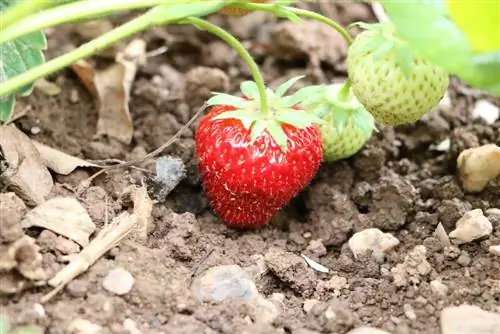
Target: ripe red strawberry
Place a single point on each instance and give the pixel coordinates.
(232, 11)
(252, 164)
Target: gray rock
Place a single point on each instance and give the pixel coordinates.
(224, 282)
(118, 281)
(468, 319)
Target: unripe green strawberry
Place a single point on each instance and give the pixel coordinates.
(347, 124)
(394, 84)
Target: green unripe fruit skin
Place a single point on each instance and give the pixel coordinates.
(344, 145)
(383, 89)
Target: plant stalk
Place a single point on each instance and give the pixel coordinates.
(22, 9)
(236, 45)
(300, 12)
(130, 28)
(343, 94)
(72, 12)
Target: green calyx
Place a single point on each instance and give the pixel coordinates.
(342, 108)
(383, 40)
(281, 110)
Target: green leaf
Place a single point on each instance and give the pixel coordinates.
(363, 120)
(284, 87)
(250, 89)
(340, 118)
(373, 44)
(479, 21)
(16, 57)
(257, 129)
(306, 96)
(246, 117)
(297, 118)
(276, 131)
(432, 33)
(226, 99)
(404, 59)
(322, 110)
(184, 9)
(383, 49)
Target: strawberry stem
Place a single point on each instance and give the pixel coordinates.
(289, 11)
(322, 19)
(343, 94)
(235, 44)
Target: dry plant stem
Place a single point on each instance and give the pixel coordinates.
(150, 154)
(107, 238)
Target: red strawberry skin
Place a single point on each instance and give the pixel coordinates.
(248, 183)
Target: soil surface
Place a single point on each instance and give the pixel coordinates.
(397, 183)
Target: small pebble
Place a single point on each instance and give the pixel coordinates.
(409, 312)
(35, 130)
(486, 110)
(439, 288)
(464, 259)
(130, 326)
(118, 281)
(372, 240)
(473, 225)
(309, 304)
(316, 248)
(465, 319)
(367, 330)
(224, 282)
(495, 250)
(77, 288)
(84, 326)
(451, 252)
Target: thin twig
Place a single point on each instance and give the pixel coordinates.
(198, 266)
(150, 154)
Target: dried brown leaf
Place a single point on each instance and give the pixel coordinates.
(60, 162)
(64, 216)
(85, 73)
(24, 171)
(113, 88)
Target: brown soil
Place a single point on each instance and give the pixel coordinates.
(396, 183)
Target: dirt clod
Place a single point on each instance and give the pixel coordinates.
(291, 269)
(414, 268)
(12, 210)
(473, 225)
(201, 82)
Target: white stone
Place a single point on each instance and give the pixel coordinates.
(486, 110)
(439, 288)
(374, 240)
(473, 225)
(118, 281)
(495, 250)
(367, 330)
(468, 319)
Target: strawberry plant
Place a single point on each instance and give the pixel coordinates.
(258, 151)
